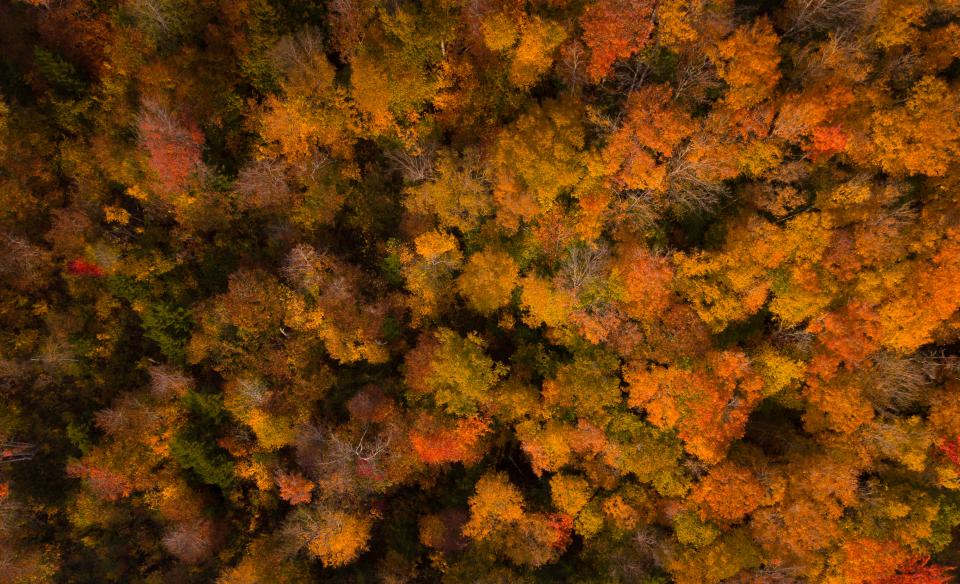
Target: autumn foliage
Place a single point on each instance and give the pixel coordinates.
(81, 267)
(595, 291)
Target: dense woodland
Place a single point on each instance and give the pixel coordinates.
(484, 291)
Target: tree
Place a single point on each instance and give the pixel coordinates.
(392, 85)
(677, 22)
(748, 62)
(312, 114)
(488, 280)
(453, 370)
(496, 506)
(442, 530)
(826, 141)
(544, 303)
(428, 272)
(708, 406)
(236, 325)
(646, 278)
(103, 482)
(348, 20)
(724, 558)
(456, 193)
(905, 328)
(190, 542)
(439, 441)
(650, 134)
(294, 487)
(867, 560)
(728, 493)
(527, 178)
(587, 385)
(500, 31)
(173, 145)
(333, 536)
(919, 137)
(615, 29)
(330, 306)
(569, 493)
(265, 559)
(539, 38)
(919, 571)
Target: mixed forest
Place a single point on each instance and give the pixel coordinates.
(479, 291)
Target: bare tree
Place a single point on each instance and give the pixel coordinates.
(21, 262)
(898, 382)
(15, 451)
(690, 187)
(326, 453)
(630, 75)
(251, 391)
(417, 166)
(645, 538)
(298, 51)
(649, 545)
(583, 266)
(56, 355)
(307, 169)
(797, 338)
(307, 267)
(156, 15)
(772, 574)
(300, 527)
(573, 61)
(128, 415)
(167, 381)
(364, 450)
(263, 184)
(806, 16)
(190, 541)
(160, 119)
(696, 75)
(695, 467)
(639, 206)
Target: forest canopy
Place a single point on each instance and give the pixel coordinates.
(592, 291)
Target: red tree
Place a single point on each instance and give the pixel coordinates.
(614, 29)
(173, 145)
(81, 267)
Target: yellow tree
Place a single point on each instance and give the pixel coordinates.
(457, 193)
(330, 306)
(748, 62)
(539, 39)
(923, 135)
(496, 506)
(453, 370)
(488, 280)
(428, 272)
(334, 536)
(536, 160)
